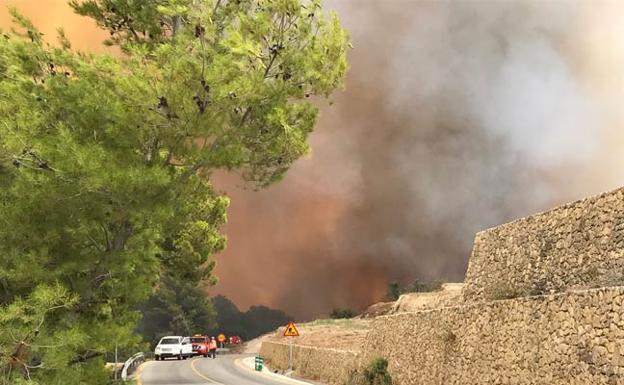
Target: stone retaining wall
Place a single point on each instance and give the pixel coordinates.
(578, 245)
(555, 329)
(563, 339)
(329, 366)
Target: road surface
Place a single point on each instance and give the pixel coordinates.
(224, 370)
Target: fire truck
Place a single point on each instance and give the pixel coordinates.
(235, 340)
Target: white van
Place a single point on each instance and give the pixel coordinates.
(173, 346)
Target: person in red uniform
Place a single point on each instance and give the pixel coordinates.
(212, 345)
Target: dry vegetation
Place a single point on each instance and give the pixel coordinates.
(350, 334)
(344, 334)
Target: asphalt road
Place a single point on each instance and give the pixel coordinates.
(224, 370)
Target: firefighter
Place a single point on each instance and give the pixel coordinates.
(213, 347)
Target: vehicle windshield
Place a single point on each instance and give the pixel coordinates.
(169, 341)
(198, 339)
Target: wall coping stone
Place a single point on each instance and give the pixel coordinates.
(552, 209)
(523, 299)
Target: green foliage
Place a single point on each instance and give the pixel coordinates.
(419, 286)
(342, 313)
(105, 163)
(229, 318)
(394, 290)
(130, 21)
(257, 320)
(25, 332)
(234, 75)
(376, 373)
(344, 323)
(176, 308)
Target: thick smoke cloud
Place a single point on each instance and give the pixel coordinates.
(457, 116)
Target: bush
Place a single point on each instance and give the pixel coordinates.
(376, 373)
(342, 313)
(395, 289)
(419, 286)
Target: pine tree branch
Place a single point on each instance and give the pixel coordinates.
(85, 357)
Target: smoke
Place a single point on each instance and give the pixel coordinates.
(49, 15)
(457, 116)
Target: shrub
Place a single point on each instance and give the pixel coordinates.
(419, 286)
(376, 373)
(342, 313)
(394, 290)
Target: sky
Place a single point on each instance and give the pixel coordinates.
(456, 116)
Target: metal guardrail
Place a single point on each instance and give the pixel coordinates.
(131, 364)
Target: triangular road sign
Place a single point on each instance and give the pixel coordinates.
(291, 330)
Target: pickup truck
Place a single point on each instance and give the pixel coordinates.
(173, 346)
(200, 345)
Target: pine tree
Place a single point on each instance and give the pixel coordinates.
(105, 162)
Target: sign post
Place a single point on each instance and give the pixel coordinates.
(221, 339)
(259, 363)
(290, 354)
(290, 331)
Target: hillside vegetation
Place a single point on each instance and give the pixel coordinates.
(345, 334)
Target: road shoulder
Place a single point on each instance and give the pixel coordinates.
(248, 364)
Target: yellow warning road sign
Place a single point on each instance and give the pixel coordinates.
(291, 330)
(221, 338)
